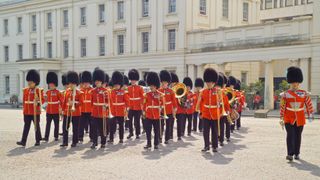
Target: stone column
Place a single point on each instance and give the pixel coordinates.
(191, 71)
(200, 70)
(304, 65)
(268, 86)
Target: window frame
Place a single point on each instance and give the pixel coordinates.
(225, 9)
(121, 47)
(7, 84)
(34, 23)
(83, 47)
(245, 14)
(172, 6)
(6, 27)
(120, 10)
(49, 49)
(65, 17)
(101, 13)
(65, 48)
(34, 50)
(145, 38)
(172, 40)
(49, 21)
(20, 51)
(83, 16)
(6, 53)
(203, 7)
(145, 8)
(102, 46)
(19, 25)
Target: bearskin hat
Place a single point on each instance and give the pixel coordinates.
(125, 80)
(134, 75)
(80, 77)
(64, 79)
(220, 81)
(86, 77)
(117, 78)
(225, 79)
(142, 83)
(232, 80)
(52, 77)
(174, 78)
(73, 77)
(98, 75)
(210, 75)
(199, 83)
(33, 76)
(237, 86)
(153, 79)
(165, 76)
(188, 82)
(294, 74)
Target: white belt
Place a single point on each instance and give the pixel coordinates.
(210, 107)
(295, 110)
(56, 102)
(117, 104)
(100, 104)
(29, 102)
(168, 103)
(87, 101)
(153, 106)
(134, 99)
(76, 102)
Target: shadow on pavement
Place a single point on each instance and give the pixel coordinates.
(306, 166)
(217, 158)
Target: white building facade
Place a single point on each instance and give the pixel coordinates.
(182, 36)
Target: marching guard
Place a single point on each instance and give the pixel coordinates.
(210, 111)
(188, 106)
(85, 120)
(294, 102)
(32, 101)
(53, 98)
(71, 104)
(199, 84)
(135, 93)
(152, 109)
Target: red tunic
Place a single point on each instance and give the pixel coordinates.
(191, 101)
(119, 102)
(99, 99)
(210, 104)
(152, 105)
(293, 106)
(28, 100)
(53, 100)
(135, 93)
(78, 102)
(170, 99)
(86, 106)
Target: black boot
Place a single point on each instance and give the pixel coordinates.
(93, 146)
(289, 158)
(20, 143)
(37, 144)
(147, 147)
(205, 149)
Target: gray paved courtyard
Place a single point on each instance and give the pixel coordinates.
(257, 151)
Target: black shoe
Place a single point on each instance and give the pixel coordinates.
(45, 139)
(137, 137)
(156, 147)
(214, 150)
(147, 147)
(160, 141)
(143, 132)
(228, 140)
(110, 141)
(37, 144)
(121, 141)
(189, 134)
(60, 134)
(231, 131)
(56, 139)
(166, 142)
(87, 132)
(200, 130)
(289, 158)
(296, 157)
(103, 146)
(221, 144)
(20, 143)
(205, 149)
(63, 145)
(93, 146)
(73, 145)
(130, 135)
(179, 139)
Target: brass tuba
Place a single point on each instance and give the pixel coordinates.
(233, 115)
(180, 90)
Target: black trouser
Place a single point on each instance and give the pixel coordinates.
(195, 121)
(171, 128)
(55, 118)
(156, 125)
(75, 129)
(113, 126)
(189, 118)
(213, 126)
(84, 122)
(180, 120)
(97, 130)
(223, 123)
(27, 123)
(143, 123)
(168, 123)
(293, 138)
(134, 118)
(237, 122)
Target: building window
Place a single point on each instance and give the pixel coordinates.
(281, 3)
(20, 51)
(49, 49)
(6, 53)
(289, 2)
(296, 2)
(120, 10)
(245, 12)
(145, 8)
(83, 46)
(145, 42)
(203, 7)
(101, 13)
(33, 23)
(268, 4)
(6, 26)
(65, 19)
(19, 25)
(65, 48)
(102, 46)
(310, 1)
(7, 84)
(120, 44)
(83, 19)
(303, 1)
(34, 50)
(225, 9)
(244, 77)
(261, 4)
(275, 3)
(49, 20)
(172, 6)
(171, 39)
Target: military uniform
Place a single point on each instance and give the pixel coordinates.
(199, 84)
